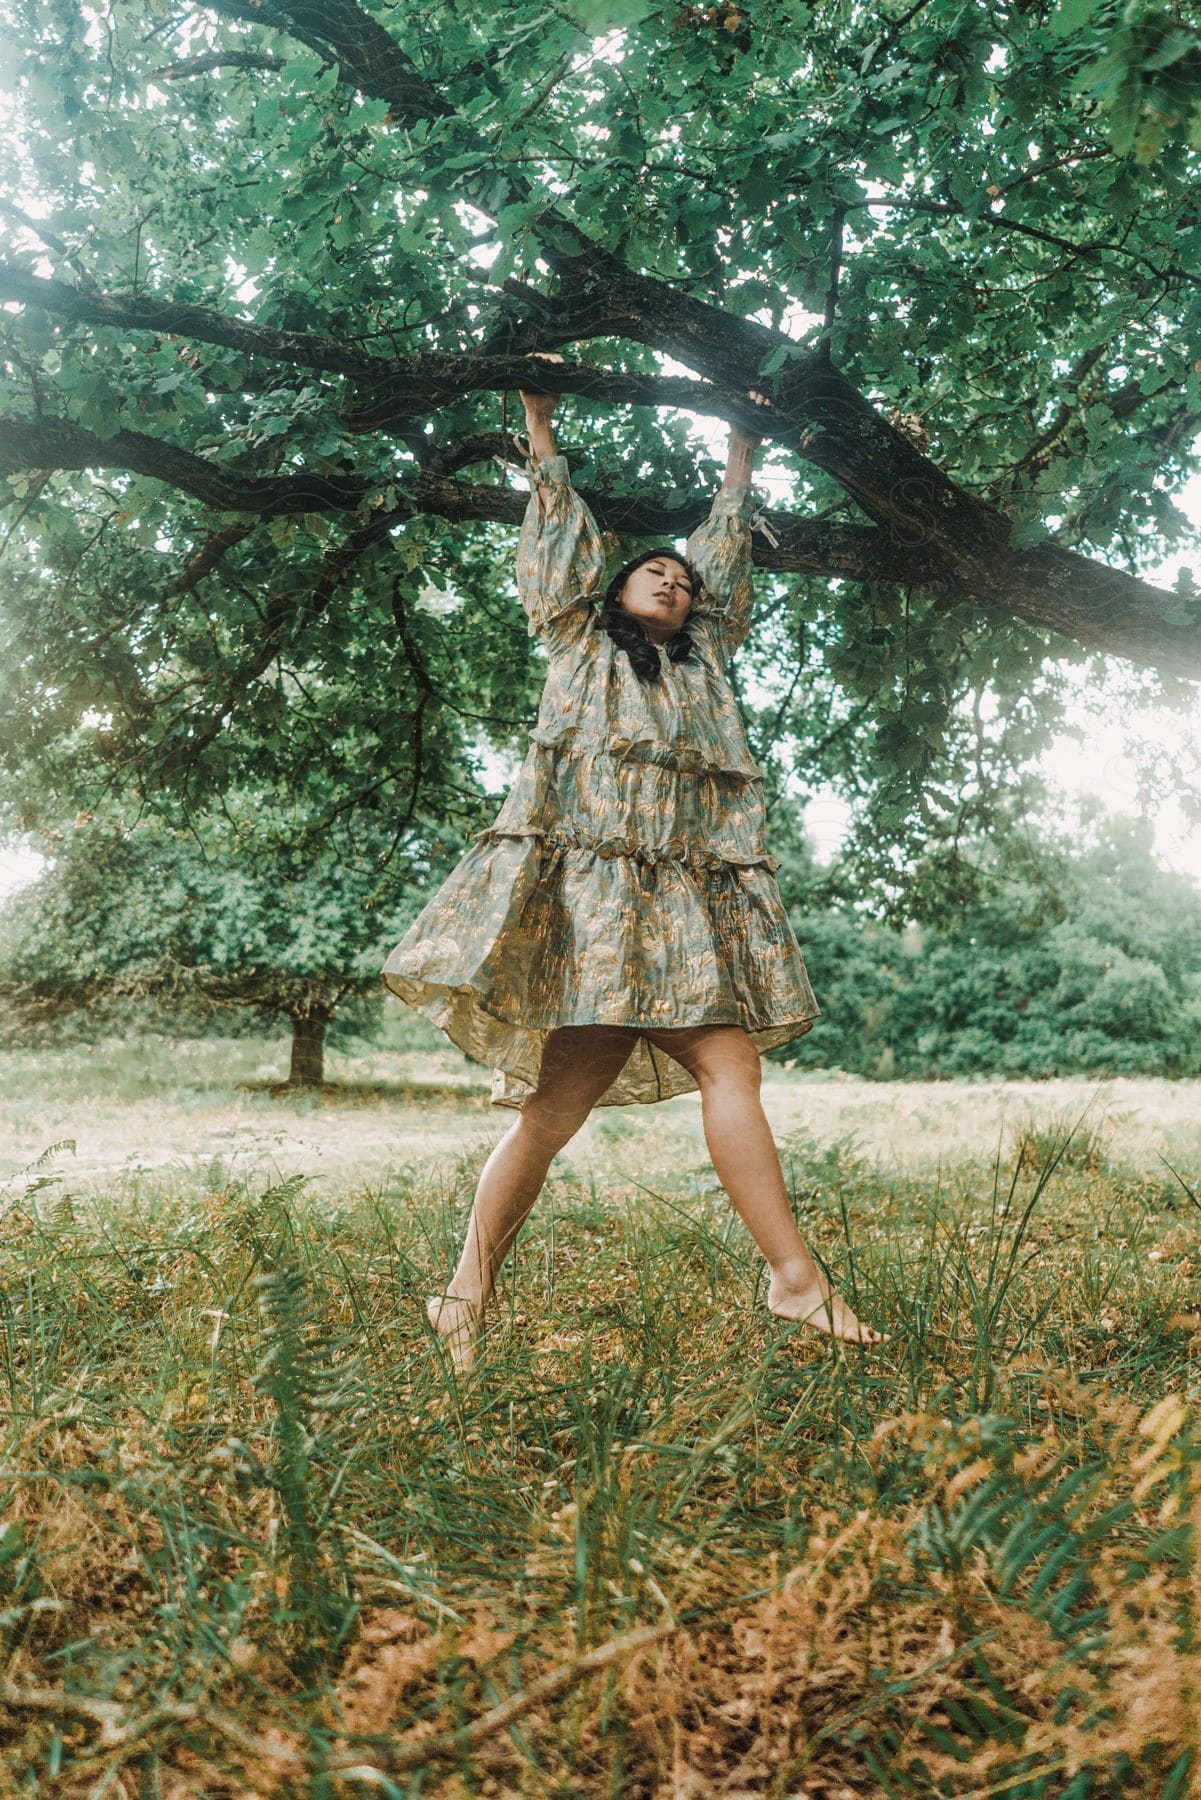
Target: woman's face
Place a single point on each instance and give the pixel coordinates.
(658, 593)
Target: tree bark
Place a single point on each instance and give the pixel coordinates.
(308, 1051)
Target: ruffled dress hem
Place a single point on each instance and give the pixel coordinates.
(466, 984)
(513, 1048)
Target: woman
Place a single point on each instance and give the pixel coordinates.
(617, 934)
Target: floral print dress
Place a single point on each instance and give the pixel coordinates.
(625, 880)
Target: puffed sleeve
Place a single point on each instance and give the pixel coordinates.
(560, 554)
(720, 551)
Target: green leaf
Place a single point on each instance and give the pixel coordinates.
(1026, 536)
(598, 16)
(1071, 15)
(776, 358)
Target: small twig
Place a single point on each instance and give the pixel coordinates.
(840, 216)
(215, 59)
(541, 96)
(413, 1754)
(118, 1730)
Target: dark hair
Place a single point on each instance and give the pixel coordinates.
(627, 631)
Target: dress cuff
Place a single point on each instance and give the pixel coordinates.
(738, 502)
(547, 469)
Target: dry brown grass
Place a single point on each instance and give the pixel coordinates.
(170, 1110)
(255, 1542)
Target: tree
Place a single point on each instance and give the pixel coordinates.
(143, 913)
(1084, 958)
(251, 365)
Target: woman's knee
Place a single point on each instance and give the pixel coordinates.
(549, 1122)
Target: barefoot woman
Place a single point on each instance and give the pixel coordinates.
(617, 934)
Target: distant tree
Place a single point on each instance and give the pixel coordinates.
(1084, 959)
(229, 917)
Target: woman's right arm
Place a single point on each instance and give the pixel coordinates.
(539, 412)
(560, 553)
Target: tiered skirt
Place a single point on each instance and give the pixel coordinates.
(539, 926)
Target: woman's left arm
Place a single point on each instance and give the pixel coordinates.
(720, 549)
(740, 455)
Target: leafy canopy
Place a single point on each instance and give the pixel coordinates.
(272, 271)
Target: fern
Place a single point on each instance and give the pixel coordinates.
(1035, 1539)
(306, 1377)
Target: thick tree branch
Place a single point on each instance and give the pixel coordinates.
(1048, 587)
(389, 391)
(393, 391)
(202, 324)
(810, 547)
(415, 384)
(956, 541)
(367, 57)
(57, 444)
(814, 548)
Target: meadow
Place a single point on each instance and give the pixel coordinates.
(256, 1539)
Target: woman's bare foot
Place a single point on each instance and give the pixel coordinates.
(457, 1322)
(815, 1303)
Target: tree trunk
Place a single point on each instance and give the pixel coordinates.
(308, 1052)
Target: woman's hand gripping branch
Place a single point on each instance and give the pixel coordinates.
(740, 457)
(540, 410)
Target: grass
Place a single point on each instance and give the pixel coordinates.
(257, 1540)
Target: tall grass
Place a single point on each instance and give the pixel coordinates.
(257, 1538)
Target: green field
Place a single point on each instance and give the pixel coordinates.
(256, 1539)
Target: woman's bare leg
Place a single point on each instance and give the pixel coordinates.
(728, 1071)
(578, 1063)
